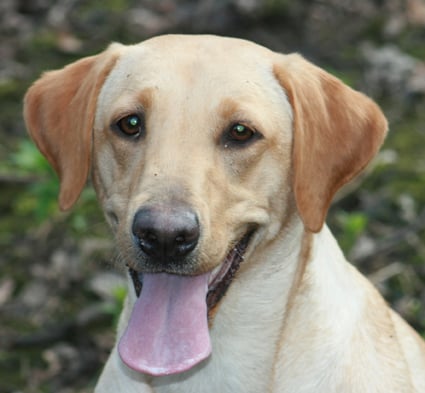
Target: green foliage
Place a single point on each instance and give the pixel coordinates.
(29, 160)
(276, 6)
(110, 5)
(411, 40)
(39, 202)
(115, 307)
(352, 226)
(405, 174)
(39, 199)
(44, 41)
(10, 88)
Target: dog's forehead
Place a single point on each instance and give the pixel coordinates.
(180, 52)
(179, 65)
(210, 49)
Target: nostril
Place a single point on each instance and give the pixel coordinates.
(150, 237)
(187, 241)
(147, 241)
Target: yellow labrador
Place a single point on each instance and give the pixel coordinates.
(215, 161)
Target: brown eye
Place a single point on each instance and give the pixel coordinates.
(131, 125)
(240, 133)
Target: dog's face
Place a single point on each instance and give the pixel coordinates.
(186, 145)
(201, 149)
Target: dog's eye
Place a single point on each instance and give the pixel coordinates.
(131, 125)
(240, 134)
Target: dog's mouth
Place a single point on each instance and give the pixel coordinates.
(220, 278)
(168, 330)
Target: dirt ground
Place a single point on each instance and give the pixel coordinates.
(61, 288)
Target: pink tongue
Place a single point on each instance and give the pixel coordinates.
(168, 328)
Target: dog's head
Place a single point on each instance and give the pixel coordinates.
(200, 148)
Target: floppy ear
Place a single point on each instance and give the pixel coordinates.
(59, 112)
(337, 131)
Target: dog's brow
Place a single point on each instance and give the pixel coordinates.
(145, 98)
(228, 107)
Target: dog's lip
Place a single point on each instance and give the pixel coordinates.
(220, 277)
(218, 273)
(223, 275)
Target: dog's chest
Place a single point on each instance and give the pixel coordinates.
(230, 377)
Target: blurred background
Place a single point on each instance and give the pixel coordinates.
(60, 293)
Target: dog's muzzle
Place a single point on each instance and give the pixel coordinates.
(168, 329)
(220, 278)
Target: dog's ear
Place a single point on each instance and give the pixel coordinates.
(59, 111)
(337, 131)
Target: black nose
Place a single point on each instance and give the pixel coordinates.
(166, 232)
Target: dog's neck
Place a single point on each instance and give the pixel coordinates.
(260, 298)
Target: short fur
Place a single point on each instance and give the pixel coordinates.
(297, 318)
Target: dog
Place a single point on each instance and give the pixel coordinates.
(215, 161)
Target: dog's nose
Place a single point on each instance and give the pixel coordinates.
(166, 232)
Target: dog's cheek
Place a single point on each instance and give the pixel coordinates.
(102, 177)
(272, 185)
(106, 181)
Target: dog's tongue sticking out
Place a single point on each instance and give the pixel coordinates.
(168, 328)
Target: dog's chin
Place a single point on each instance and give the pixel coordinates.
(220, 277)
